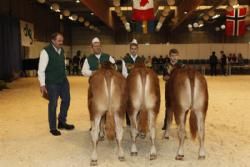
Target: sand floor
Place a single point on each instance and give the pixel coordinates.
(26, 142)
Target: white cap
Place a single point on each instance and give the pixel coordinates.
(95, 40)
(134, 41)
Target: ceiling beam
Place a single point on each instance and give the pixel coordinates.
(186, 6)
(101, 10)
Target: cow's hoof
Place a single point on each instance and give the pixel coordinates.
(166, 137)
(142, 135)
(133, 153)
(101, 138)
(179, 157)
(153, 156)
(121, 158)
(93, 163)
(202, 157)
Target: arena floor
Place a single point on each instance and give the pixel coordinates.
(25, 140)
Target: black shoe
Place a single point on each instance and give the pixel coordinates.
(55, 132)
(65, 126)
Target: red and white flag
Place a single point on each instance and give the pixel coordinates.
(235, 23)
(143, 10)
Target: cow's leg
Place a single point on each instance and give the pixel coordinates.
(169, 115)
(134, 132)
(201, 132)
(152, 132)
(94, 134)
(102, 128)
(181, 136)
(119, 135)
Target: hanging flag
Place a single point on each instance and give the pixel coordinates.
(143, 10)
(144, 26)
(27, 33)
(235, 22)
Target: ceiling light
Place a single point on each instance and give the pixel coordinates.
(216, 16)
(92, 13)
(195, 25)
(223, 26)
(77, 1)
(201, 25)
(217, 28)
(236, 6)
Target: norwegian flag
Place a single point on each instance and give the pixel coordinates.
(235, 23)
(143, 10)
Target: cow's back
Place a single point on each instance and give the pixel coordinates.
(99, 95)
(143, 88)
(186, 86)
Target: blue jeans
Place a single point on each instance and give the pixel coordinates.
(54, 92)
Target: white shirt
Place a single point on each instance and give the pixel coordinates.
(124, 68)
(86, 69)
(43, 62)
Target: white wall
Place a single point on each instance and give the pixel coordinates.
(35, 49)
(187, 51)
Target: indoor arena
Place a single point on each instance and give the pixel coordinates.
(71, 71)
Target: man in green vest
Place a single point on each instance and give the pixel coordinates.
(93, 61)
(54, 83)
(128, 63)
(131, 58)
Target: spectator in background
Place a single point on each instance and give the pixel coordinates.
(223, 62)
(76, 62)
(213, 60)
(161, 64)
(234, 58)
(240, 59)
(148, 62)
(82, 60)
(229, 63)
(230, 58)
(67, 65)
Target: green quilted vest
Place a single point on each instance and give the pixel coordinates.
(94, 62)
(55, 71)
(129, 62)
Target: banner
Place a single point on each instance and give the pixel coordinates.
(235, 23)
(27, 33)
(143, 10)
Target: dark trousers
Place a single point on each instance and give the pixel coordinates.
(223, 69)
(54, 92)
(75, 70)
(213, 69)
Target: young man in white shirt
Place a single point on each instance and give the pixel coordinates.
(128, 63)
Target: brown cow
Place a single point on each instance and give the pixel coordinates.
(187, 91)
(107, 100)
(143, 104)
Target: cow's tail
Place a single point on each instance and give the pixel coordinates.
(192, 118)
(110, 121)
(143, 115)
